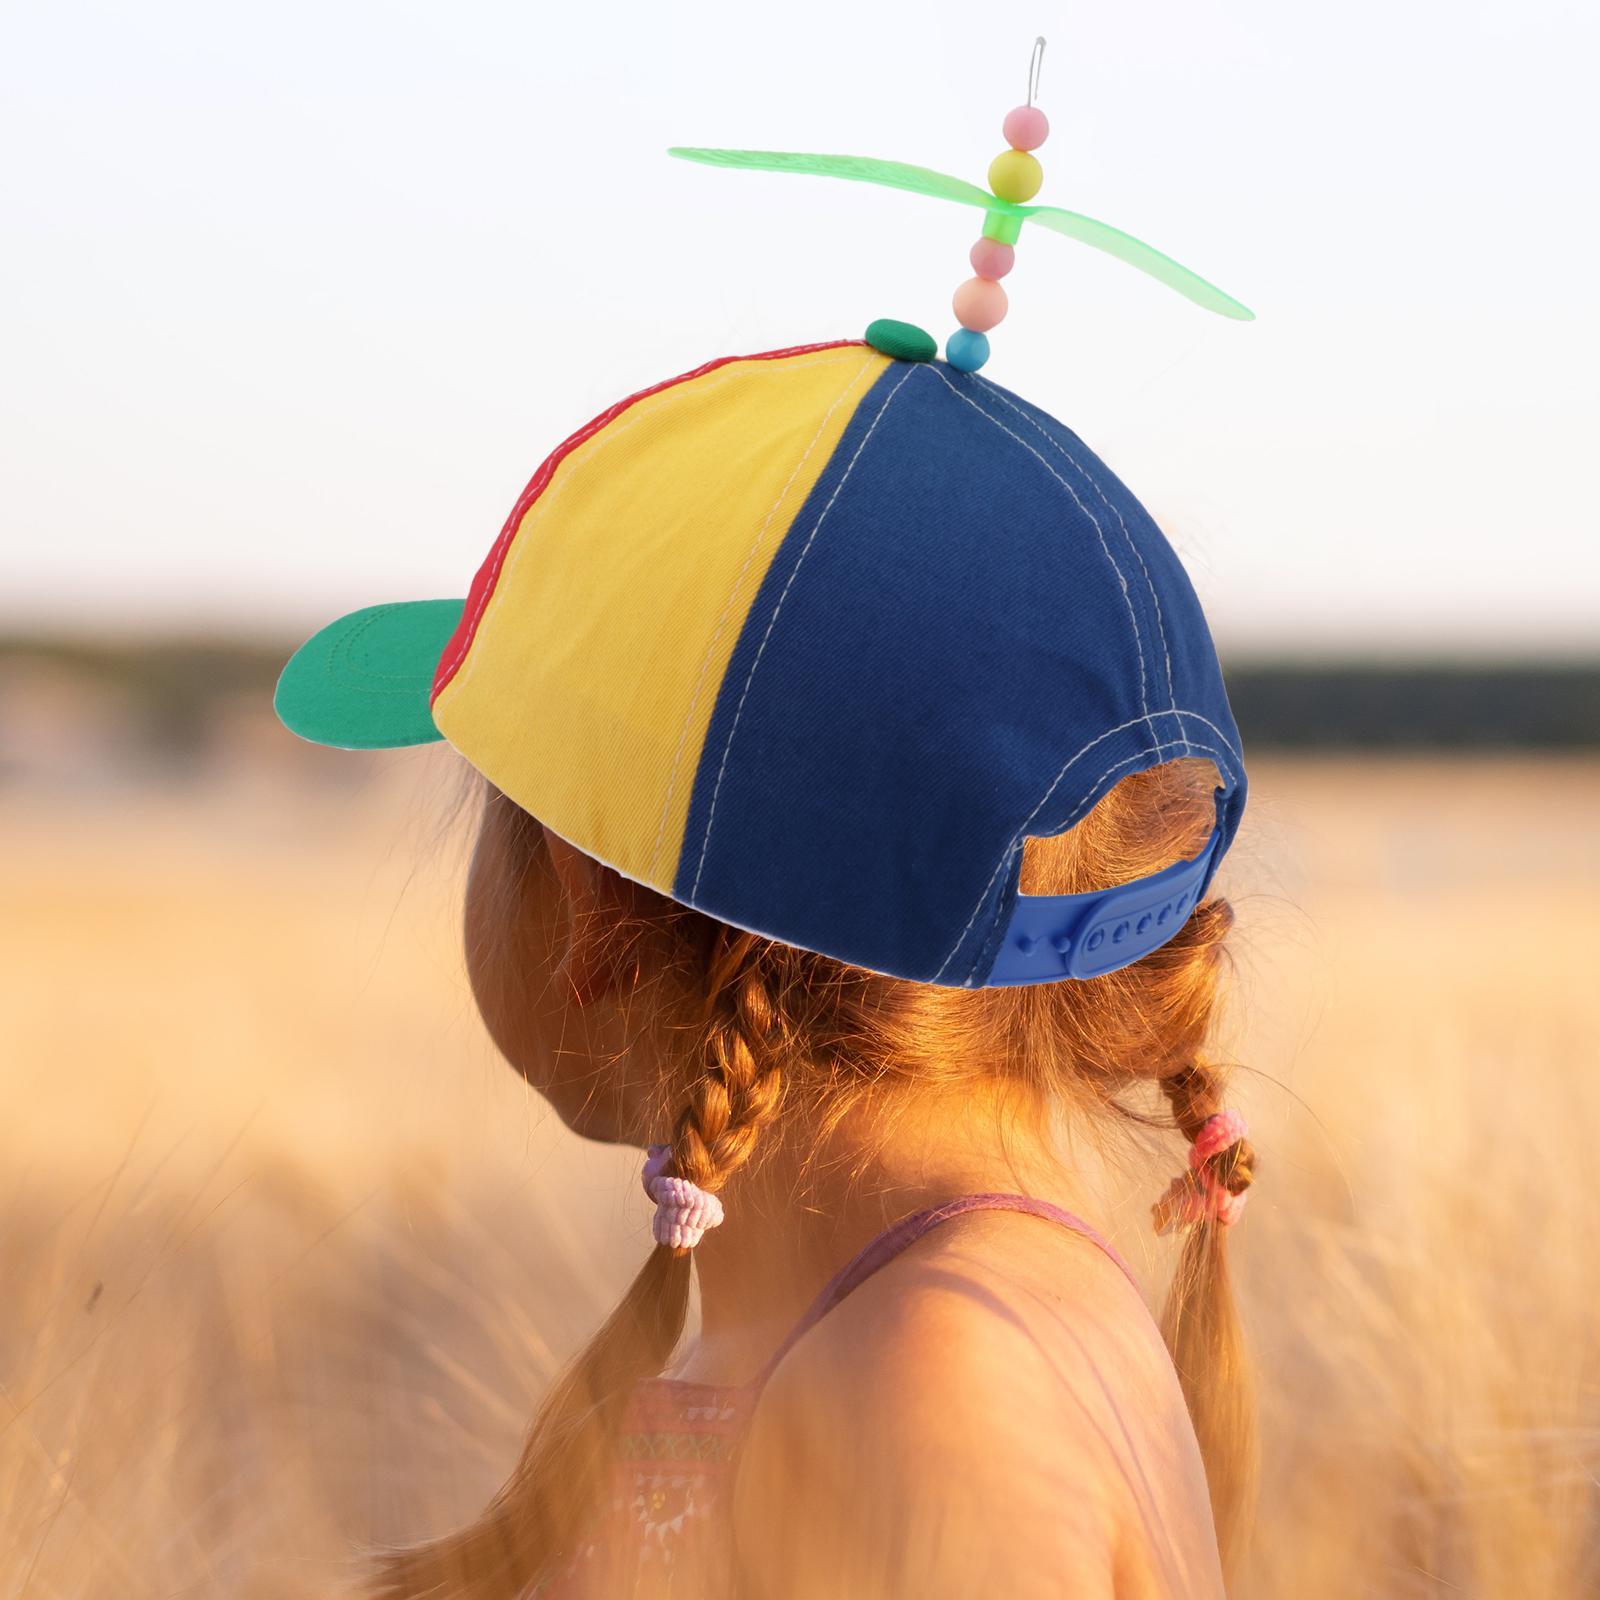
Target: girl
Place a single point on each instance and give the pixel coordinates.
(857, 763)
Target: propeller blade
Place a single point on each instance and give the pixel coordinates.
(891, 174)
(1138, 254)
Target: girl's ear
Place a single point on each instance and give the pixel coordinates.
(599, 901)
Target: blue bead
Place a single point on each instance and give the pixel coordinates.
(965, 350)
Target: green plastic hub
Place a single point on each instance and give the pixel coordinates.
(1006, 226)
(905, 341)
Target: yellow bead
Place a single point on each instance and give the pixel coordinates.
(1015, 175)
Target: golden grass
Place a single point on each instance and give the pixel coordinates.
(282, 1271)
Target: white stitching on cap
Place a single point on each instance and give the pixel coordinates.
(1023, 828)
(1055, 783)
(705, 842)
(1127, 598)
(705, 661)
(1189, 747)
(1161, 626)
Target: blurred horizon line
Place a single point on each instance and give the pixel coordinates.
(173, 696)
(1256, 649)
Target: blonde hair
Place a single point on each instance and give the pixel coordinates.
(754, 1026)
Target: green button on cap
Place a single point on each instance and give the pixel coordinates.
(905, 341)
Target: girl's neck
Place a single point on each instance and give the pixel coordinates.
(820, 1193)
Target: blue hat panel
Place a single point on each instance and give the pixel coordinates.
(1184, 690)
(958, 643)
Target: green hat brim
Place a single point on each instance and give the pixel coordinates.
(364, 682)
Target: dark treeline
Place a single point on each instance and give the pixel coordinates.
(1346, 705)
(174, 690)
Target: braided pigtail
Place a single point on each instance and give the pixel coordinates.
(537, 1519)
(741, 1081)
(1200, 1321)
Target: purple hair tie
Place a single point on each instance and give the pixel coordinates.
(683, 1210)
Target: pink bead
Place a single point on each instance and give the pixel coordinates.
(1026, 128)
(991, 259)
(979, 304)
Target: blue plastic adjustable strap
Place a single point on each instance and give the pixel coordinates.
(1088, 935)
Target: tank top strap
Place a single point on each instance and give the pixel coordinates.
(880, 1251)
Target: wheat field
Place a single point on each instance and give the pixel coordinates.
(282, 1268)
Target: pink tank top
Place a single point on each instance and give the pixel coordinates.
(666, 1520)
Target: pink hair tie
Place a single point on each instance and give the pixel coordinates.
(684, 1211)
(1215, 1135)
(1198, 1195)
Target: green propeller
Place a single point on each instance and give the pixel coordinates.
(890, 174)
(1003, 218)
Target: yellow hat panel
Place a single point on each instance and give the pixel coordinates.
(589, 674)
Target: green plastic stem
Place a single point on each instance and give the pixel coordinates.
(1006, 226)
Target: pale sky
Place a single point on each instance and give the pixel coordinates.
(295, 297)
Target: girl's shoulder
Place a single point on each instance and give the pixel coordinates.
(992, 1411)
